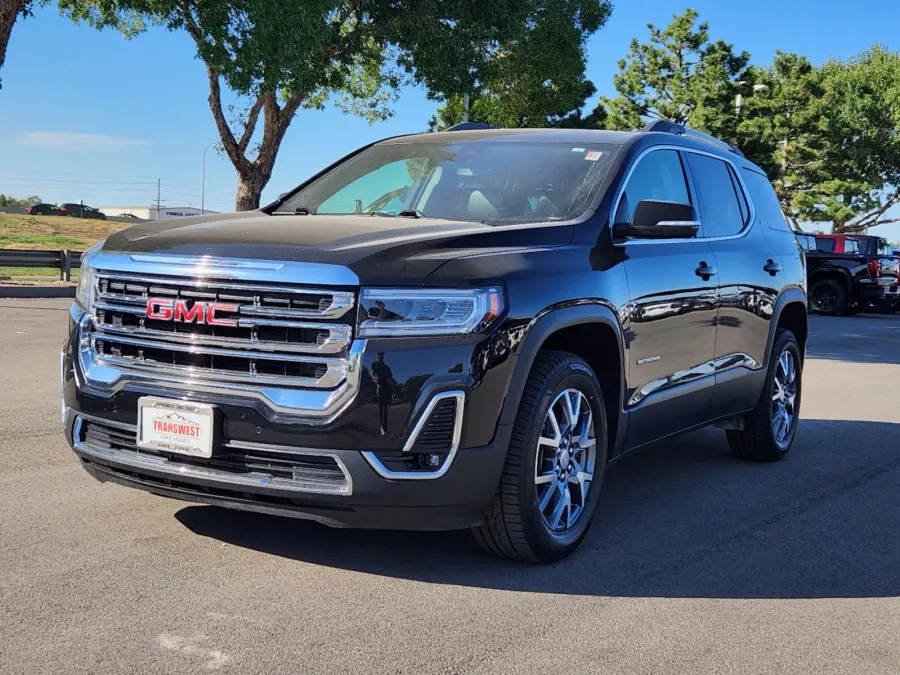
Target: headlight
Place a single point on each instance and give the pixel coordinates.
(405, 312)
(84, 292)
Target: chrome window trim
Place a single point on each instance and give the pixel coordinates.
(680, 148)
(163, 465)
(384, 472)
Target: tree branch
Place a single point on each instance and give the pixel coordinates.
(235, 154)
(866, 220)
(250, 126)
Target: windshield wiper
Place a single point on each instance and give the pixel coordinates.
(299, 211)
(401, 214)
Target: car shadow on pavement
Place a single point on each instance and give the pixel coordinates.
(680, 519)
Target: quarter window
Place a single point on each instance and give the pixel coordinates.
(720, 211)
(658, 176)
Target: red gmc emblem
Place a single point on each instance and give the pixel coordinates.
(166, 309)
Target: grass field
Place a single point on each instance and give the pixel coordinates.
(43, 233)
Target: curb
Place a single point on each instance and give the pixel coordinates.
(37, 291)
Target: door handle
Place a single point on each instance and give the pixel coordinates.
(705, 271)
(772, 267)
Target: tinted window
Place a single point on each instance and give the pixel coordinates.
(825, 245)
(489, 181)
(660, 176)
(742, 198)
(765, 201)
(720, 213)
(851, 246)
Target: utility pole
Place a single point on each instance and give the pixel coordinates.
(466, 113)
(203, 184)
(158, 191)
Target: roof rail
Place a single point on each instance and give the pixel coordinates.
(470, 126)
(667, 127)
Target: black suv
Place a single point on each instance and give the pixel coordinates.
(451, 330)
(82, 211)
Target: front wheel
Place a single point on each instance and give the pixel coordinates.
(769, 430)
(554, 465)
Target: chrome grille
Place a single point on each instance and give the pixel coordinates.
(235, 462)
(281, 336)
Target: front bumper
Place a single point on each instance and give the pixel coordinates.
(456, 497)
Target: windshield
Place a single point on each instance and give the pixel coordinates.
(481, 181)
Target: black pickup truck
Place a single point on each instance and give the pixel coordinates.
(449, 330)
(847, 273)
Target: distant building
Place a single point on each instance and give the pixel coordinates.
(150, 212)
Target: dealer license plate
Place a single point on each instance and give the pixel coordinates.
(175, 426)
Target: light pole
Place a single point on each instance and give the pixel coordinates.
(203, 180)
(739, 98)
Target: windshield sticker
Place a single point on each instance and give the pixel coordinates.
(593, 155)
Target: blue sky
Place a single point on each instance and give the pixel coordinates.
(88, 115)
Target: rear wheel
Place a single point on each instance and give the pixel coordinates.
(554, 465)
(769, 430)
(827, 296)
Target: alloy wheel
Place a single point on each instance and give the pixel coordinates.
(566, 456)
(784, 398)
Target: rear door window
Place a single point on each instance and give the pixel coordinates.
(720, 212)
(765, 201)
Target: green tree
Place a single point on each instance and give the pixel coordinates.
(284, 55)
(680, 76)
(7, 200)
(827, 137)
(538, 80)
(782, 128)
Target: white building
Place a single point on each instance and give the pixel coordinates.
(150, 212)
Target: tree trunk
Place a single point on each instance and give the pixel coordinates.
(838, 227)
(249, 190)
(9, 12)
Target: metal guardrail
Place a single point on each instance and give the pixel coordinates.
(64, 260)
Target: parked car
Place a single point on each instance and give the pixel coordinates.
(44, 210)
(847, 273)
(130, 216)
(82, 211)
(535, 304)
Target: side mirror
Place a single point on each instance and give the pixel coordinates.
(655, 219)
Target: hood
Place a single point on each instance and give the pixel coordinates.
(378, 249)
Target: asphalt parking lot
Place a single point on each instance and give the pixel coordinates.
(697, 563)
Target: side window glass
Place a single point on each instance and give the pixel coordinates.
(765, 201)
(720, 212)
(825, 245)
(851, 246)
(742, 198)
(658, 175)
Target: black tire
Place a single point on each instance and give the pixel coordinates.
(828, 296)
(757, 441)
(514, 527)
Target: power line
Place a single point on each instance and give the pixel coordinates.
(91, 182)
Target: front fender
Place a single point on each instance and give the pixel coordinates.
(549, 321)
